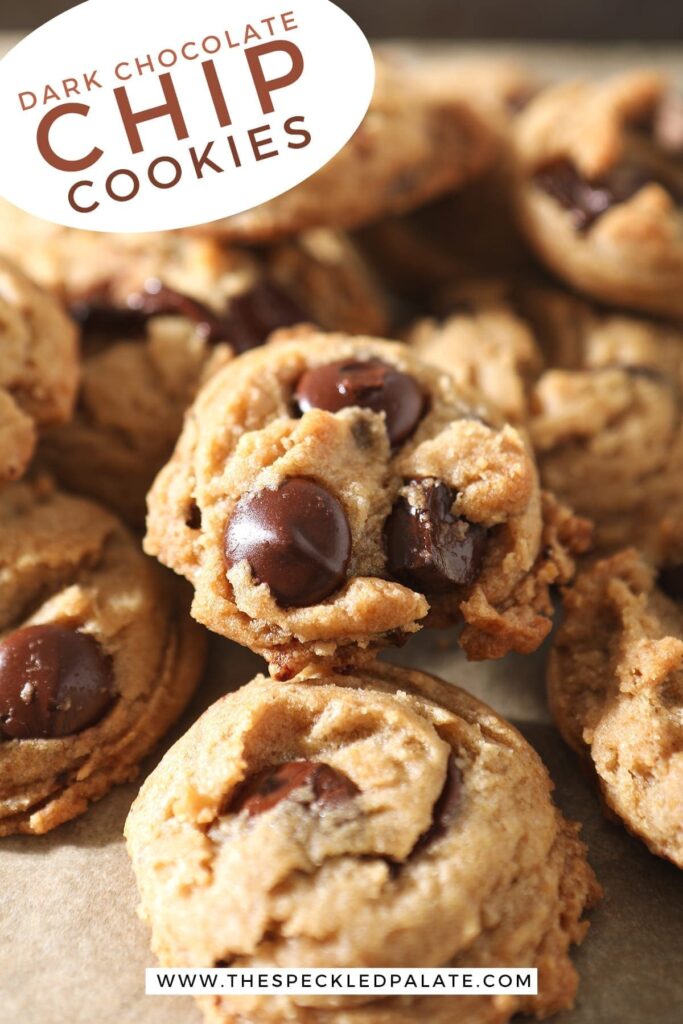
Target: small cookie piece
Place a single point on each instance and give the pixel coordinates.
(416, 142)
(327, 493)
(600, 188)
(38, 367)
(355, 821)
(616, 692)
(151, 341)
(98, 656)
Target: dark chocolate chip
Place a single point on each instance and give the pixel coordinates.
(586, 201)
(430, 549)
(54, 681)
(446, 808)
(97, 314)
(255, 314)
(368, 384)
(156, 299)
(296, 539)
(266, 789)
(193, 519)
(249, 320)
(671, 581)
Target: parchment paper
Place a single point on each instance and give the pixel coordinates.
(72, 950)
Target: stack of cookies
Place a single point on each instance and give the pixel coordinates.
(327, 493)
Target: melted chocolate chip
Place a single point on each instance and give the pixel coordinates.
(296, 539)
(368, 384)
(586, 201)
(266, 789)
(54, 681)
(446, 808)
(97, 314)
(255, 314)
(249, 320)
(671, 581)
(430, 549)
(193, 518)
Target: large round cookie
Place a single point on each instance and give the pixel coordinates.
(329, 493)
(600, 188)
(417, 141)
(616, 692)
(383, 818)
(160, 313)
(98, 656)
(38, 367)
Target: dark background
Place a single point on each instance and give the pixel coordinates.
(634, 20)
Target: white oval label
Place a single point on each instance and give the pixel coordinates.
(137, 115)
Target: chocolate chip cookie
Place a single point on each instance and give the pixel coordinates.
(98, 656)
(600, 393)
(150, 340)
(417, 141)
(616, 691)
(356, 820)
(115, 283)
(600, 188)
(330, 494)
(38, 367)
(607, 420)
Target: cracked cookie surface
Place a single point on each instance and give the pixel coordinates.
(328, 494)
(38, 367)
(600, 188)
(98, 656)
(355, 820)
(616, 692)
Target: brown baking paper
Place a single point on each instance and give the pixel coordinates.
(72, 950)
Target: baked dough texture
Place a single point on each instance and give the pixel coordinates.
(38, 368)
(616, 693)
(430, 839)
(244, 436)
(600, 188)
(599, 392)
(161, 313)
(417, 141)
(65, 562)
